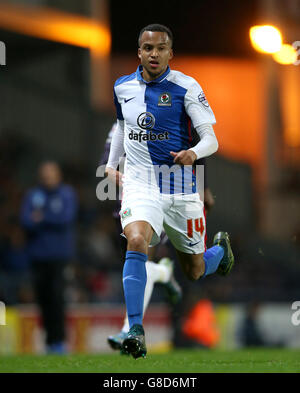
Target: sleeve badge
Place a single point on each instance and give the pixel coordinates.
(202, 99)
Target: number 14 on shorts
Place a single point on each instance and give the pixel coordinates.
(195, 224)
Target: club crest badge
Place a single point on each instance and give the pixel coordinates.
(165, 99)
(126, 213)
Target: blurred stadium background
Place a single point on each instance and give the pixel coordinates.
(62, 58)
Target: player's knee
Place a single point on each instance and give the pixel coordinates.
(137, 242)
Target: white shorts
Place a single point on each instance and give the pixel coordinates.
(181, 216)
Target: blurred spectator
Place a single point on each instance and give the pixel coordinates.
(100, 244)
(15, 275)
(48, 215)
(251, 335)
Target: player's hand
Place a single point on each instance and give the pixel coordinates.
(184, 157)
(114, 175)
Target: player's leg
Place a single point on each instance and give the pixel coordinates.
(142, 219)
(218, 258)
(192, 265)
(200, 265)
(161, 272)
(138, 235)
(155, 273)
(185, 226)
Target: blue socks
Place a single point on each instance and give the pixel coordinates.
(135, 278)
(212, 258)
(134, 282)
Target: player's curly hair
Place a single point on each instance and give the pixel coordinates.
(156, 27)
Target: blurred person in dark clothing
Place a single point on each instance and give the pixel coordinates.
(251, 336)
(14, 268)
(48, 215)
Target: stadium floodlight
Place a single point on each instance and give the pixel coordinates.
(286, 55)
(266, 38)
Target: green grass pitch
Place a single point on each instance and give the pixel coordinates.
(176, 361)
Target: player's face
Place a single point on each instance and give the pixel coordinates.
(49, 175)
(154, 52)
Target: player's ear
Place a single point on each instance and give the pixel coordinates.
(171, 54)
(139, 53)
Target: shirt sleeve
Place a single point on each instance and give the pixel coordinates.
(118, 107)
(117, 146)
(197, 106)
(208, 143)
